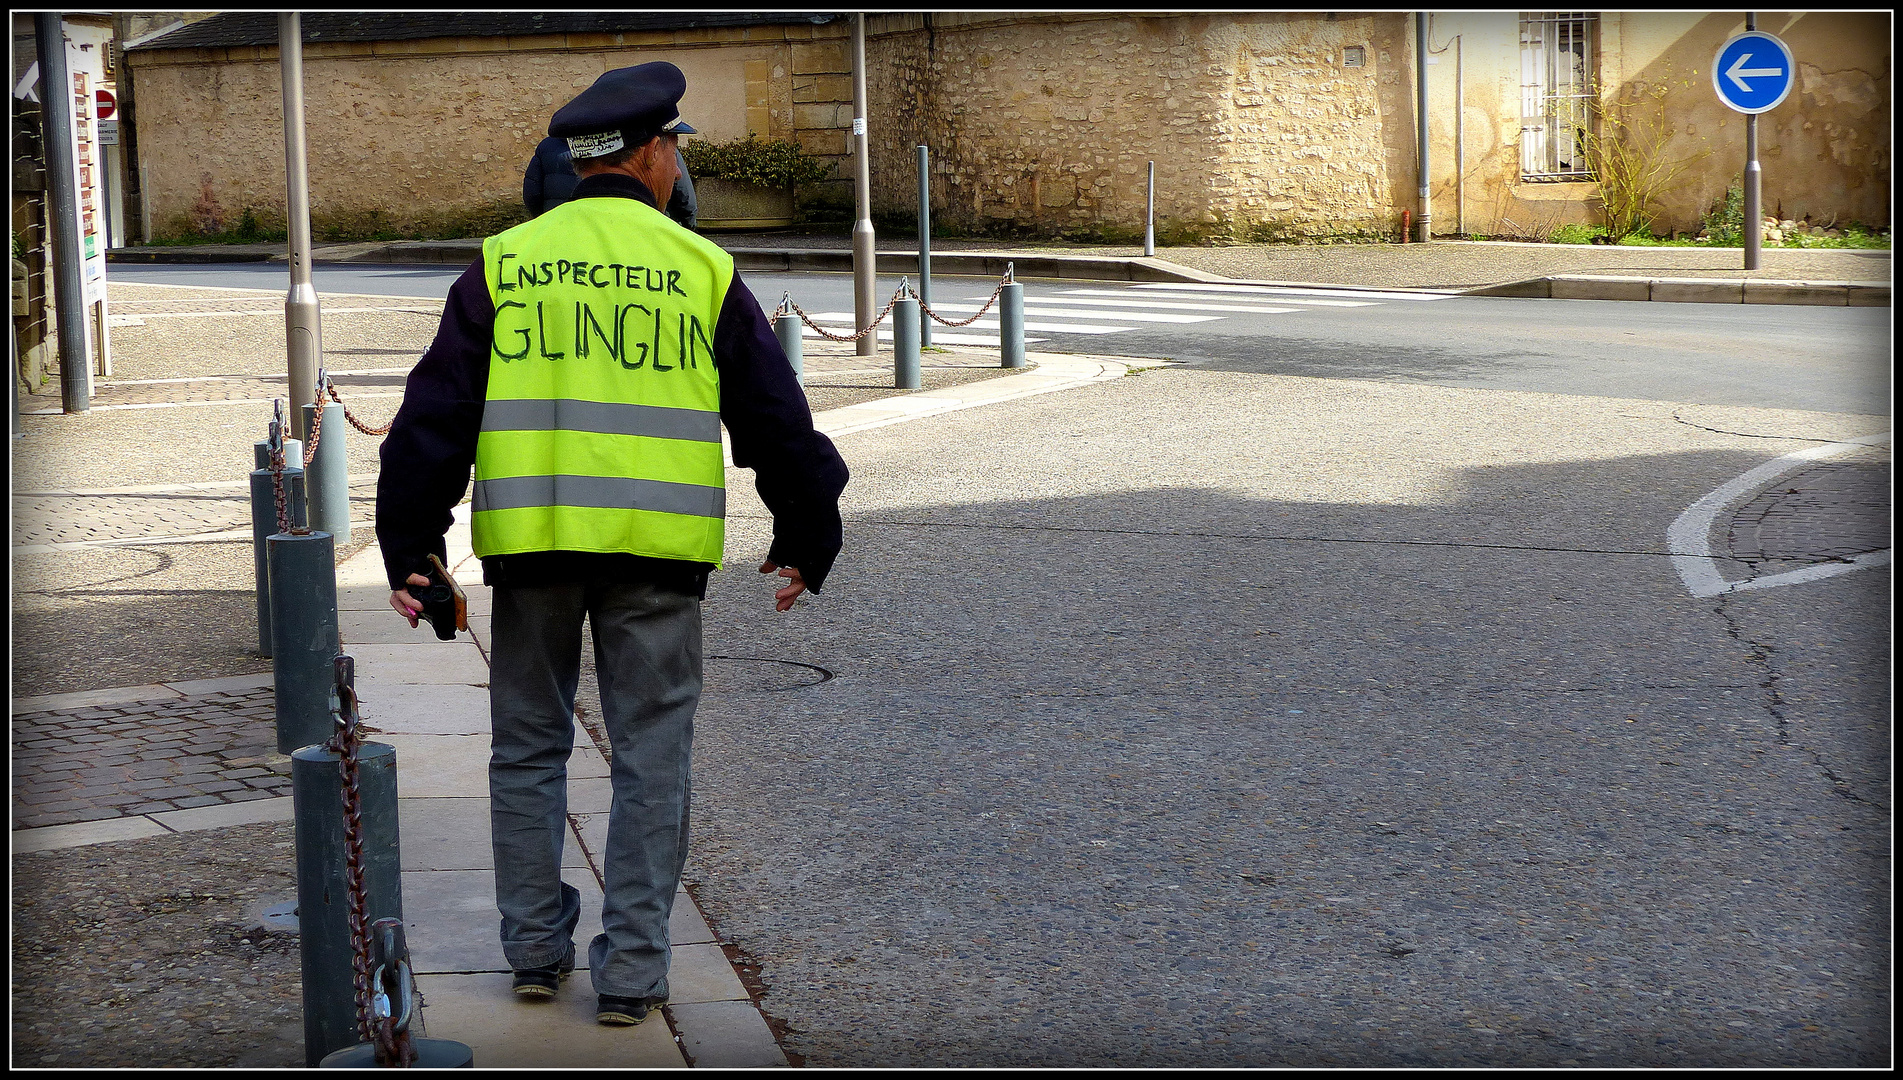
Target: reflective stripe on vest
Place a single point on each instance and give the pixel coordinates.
(601, 430)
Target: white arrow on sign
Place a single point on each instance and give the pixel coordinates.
(1738, 73)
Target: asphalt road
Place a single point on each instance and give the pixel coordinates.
(1217, 718)
(1817, 358)
(1234, 716)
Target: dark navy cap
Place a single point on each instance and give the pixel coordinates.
(625, 107)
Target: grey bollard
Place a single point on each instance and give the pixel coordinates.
(1011, 326)
(303, 581)
(430, 1054)
(1149, 217)
(787, 328)
(328, 485)
(905, 319)
(264, 522)
(323, 895)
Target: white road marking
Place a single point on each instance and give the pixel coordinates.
(279, 312)
(1154, 300)
(1689, 538)
(1272, 292)
(1031, 308)
(845, 318)
(938, 338)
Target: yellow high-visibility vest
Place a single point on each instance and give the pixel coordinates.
(601, 428)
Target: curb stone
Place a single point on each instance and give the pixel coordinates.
(1693, 290)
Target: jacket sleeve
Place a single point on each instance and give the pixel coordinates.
(431, 446)
(797, 470)
(532, 184)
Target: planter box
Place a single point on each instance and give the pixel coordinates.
(723, 205)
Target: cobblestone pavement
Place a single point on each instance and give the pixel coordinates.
(158, 512)
(106, 761)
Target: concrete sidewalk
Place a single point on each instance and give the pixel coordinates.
(1829, 276)
(205, 759)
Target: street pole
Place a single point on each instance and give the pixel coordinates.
(1753, 178)
(1460, 142)
(302, 335)
(1420, 113)
(864, 254)
(56, 123)
(924, 243)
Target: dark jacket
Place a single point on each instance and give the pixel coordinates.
(550, 181)
(431, 447)
(550, 178)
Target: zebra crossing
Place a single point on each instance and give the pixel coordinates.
(1154, 305)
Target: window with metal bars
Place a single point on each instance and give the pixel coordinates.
(1557, 61)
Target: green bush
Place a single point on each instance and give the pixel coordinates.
(1724, 223)
(753, 160)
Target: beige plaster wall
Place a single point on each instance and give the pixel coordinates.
(1049, 121)
(1825, 152)
(409, 128)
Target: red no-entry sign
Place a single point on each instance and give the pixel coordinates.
(105, 105)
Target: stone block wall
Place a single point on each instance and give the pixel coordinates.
(1258, 123)
(428, 129)
(1048, 122)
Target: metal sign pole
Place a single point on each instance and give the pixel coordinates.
(1753, 181)
(303, 338)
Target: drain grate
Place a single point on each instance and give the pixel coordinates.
(759, 674)
(1832, 510)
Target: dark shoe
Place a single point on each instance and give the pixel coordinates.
(541, 982)
(623, 1011)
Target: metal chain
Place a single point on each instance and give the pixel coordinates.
(317, 427)
(354, 422)
(995, 293)
(345, 744)
(276, 444)
(823, 332)
(393, 1046)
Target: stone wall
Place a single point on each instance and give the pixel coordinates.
(1258, 124)
(1048, 122)
(424, 130)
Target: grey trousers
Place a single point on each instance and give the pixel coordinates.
(648, 660)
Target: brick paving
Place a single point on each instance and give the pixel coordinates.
(108, 761)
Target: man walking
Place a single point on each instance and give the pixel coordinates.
(584, 368)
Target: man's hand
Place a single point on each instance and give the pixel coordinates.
(409, 606)
(795, 585)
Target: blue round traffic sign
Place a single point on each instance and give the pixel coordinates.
(1753, 72)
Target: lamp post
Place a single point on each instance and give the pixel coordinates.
(864, 254)
(302, 334)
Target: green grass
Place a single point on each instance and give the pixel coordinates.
(1854, 236)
